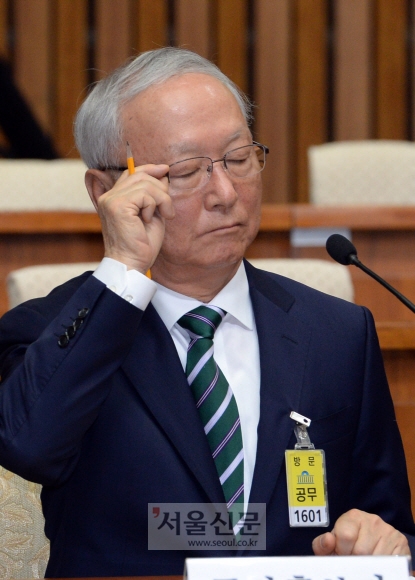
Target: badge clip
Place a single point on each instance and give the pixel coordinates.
(300, 430)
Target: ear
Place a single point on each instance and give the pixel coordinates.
(98, 182)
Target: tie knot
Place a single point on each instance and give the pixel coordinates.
(203, 321)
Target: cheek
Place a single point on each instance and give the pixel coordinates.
(255, 196)
(180, 231)
(175, 236)
(251, 201)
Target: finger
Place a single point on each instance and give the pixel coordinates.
(153, 198)
(402, 549)
(152, 178)
(346, 532)
(137, 198)
(156, 171)
(360, 533)
(148, 208)
(324, 545)
(356, 540)
(386, 542)
(392, 543)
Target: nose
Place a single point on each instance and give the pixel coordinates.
(221, 190)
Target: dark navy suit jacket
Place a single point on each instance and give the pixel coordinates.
(108, 424)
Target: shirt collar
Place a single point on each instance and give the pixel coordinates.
(233, 298)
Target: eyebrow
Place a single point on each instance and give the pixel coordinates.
(192, 148)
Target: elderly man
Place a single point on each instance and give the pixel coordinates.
(111, 399)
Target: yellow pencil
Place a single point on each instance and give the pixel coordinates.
(130, 160)
(131, 171)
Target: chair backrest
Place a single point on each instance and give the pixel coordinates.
(39, 185)
(36, 281)
(322, 275)
(24, 548)
(371, 172)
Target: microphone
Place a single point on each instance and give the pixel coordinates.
(343, 251)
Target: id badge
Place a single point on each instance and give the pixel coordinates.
(306, 481)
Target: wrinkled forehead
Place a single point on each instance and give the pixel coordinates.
(181, 95)
(181, 111)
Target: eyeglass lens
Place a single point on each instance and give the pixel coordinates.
(192, 173)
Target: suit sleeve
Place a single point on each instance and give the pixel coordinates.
(380, 482)
(57, 355)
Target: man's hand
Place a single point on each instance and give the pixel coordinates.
(132, 214)
(359, 533)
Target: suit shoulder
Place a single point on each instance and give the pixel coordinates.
(309, 303)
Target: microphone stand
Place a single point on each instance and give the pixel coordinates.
(356, 262)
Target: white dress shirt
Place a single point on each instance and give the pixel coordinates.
(236, 348)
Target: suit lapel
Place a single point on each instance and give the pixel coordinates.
(283, 342)
(161, 382)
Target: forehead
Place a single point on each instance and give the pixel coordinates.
(180, 112)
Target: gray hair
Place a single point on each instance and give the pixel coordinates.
(98, 130)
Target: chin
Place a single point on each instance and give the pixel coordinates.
(223, 261)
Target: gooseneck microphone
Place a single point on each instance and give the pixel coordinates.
(343, 251)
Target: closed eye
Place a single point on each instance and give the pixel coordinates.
(185, 175)
(237, 161)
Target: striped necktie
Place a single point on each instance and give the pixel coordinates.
(216, 403)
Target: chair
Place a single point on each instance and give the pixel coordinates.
(322, 275)
(39, 185)
(372, 172)
(24, 548)
(35, 281)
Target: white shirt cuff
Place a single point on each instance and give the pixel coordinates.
(129, 284)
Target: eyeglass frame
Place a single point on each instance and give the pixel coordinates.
(264, 148)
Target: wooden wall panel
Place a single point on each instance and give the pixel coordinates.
(316, 69)
(353, 69)
(193, 26)
(113, 34)
(232, 40)
(311, 85)
(273, 97)
(391, 69)
(4, 45)
(71, 63)
(32, 55)
(151, 24)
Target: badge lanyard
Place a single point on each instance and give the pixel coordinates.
(306, 479)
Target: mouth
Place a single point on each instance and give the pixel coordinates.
(226, 228)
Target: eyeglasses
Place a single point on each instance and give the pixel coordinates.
(195, 172)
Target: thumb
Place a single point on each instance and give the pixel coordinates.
(324, 545)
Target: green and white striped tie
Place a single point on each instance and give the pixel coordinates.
(216, 403)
